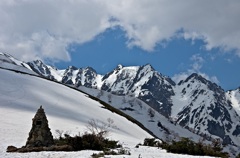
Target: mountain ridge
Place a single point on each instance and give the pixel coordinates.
(159, 91)
(195, 103)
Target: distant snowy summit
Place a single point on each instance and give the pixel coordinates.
(195, 103)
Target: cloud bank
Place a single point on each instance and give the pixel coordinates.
(45, 28)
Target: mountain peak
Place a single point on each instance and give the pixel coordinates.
(195, 76)
(148, 66)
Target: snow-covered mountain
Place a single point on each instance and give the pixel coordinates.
(196, 104)
(66, 109)
(203, 107)
(142, 82)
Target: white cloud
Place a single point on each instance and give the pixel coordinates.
(197, 62)
(44, 28)
(196, 66)
(179, 77)
(149, 22)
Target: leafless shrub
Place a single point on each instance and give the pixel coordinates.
(59, 133)
(99, 128)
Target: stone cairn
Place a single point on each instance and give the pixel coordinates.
(40, 137)
(40, 134)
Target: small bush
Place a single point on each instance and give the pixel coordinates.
(101, 154)
(76, 142)
(151, 142)
(94, 139)
(87, 141)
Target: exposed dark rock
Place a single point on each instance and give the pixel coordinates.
(127, 108)
(236, 132)
(216, 129)
(40, 134)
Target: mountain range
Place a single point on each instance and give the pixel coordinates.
(196, 104)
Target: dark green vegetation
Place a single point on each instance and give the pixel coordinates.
(187, 146)
(87, 141)
(92, 141)
(151, 142)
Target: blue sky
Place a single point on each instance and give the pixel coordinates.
(173, 58)
(176, 37)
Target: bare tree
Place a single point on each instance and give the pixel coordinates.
(99, 128)
(59, 133)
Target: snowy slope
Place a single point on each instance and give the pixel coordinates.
(66, 109)
(158, 124)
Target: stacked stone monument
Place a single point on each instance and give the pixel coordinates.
(40, 137)
(40, 134)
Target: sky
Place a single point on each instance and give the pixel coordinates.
(176, 37)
